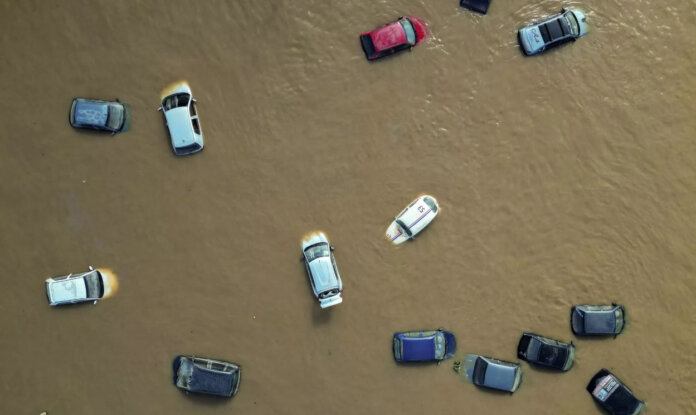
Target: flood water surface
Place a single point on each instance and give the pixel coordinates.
(566, 178)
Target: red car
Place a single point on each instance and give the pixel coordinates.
(404, 33)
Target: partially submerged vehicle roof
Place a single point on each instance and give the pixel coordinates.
(480, 6)
(597, 319)
(544, 351)
(91, 112)
(613, 395)
(209, 376)
(492, 373)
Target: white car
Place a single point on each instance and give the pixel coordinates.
(413, 219)
(552, 31)
(180, 114)
(323, 274)
(75, 288)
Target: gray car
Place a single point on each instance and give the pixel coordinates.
(597, 320)
(110, 116)
(181, 116)
(491, 373)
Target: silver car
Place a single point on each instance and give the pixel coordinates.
(111, 116)
(181, 116)
(75, 288)
(491, 373)
(555, 30)
(319, 260)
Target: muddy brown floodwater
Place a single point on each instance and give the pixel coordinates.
(564, 178)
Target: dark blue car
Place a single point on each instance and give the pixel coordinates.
(423, 346)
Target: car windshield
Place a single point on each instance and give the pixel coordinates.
(175, 101)
(439, 346)
(115, 119)
(410, 32)
(317, 251)
(574, 28)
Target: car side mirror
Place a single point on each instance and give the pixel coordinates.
(302, 258)
(95, 302)
(118, 100)
(193, 100)
(331, 247)
(159, 109)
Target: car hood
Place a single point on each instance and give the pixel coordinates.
(73, 289)
(387, 37)
(180, 128)
(323, 273)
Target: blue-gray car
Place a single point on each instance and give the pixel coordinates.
(553, 31)
(423, 346)
(490, 373)
(597, 320)
(109, 116)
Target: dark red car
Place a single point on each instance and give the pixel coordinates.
(404, 33)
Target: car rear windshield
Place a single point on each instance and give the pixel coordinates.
(573, 22)
(431, 204)
(317, 251)
(410, 32)
(175, 101)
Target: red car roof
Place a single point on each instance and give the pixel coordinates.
(389, 36)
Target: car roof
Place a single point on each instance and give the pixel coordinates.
(323, 274)
(388, 36)
(418, 347)
(73, 288)
(90, 112)
(498, 375)
(599, 321)
(180, 126)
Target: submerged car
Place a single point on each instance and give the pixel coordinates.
(480, 6)
(491, 373)
(422, 346)
(597, 320)
(323, 274)
(75, 288)
(615, 397)
(547, 352)
(404, 33)
(413, 219)
(558, 29)
(93, 114)
(181, 116)
(209, 376)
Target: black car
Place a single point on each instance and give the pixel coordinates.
(209, 376)
(597, 320)
(546, 352)
(110, 116)
(613, 395)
